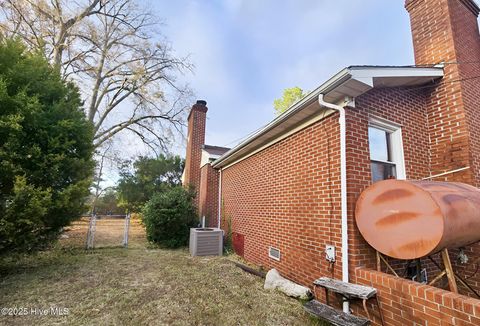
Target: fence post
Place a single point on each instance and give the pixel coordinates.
(91, 231)
(125, 234)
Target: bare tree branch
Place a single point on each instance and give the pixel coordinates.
(126, 72)
(110, 132)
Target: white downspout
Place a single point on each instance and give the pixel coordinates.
(343, 191)
(220, 199)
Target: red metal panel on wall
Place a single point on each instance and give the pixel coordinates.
(238, 243)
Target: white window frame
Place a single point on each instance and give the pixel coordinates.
(396, 143)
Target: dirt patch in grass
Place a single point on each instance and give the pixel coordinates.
(139, 286)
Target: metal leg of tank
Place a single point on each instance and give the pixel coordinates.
(452, 283)
(366, 309)
(438, 277)
(364, 302)
(455, 275)
(379, 310)
(446, 270)
(418, 264)
(380, 258)
(407, 266)
(379, 262)
(465, 284)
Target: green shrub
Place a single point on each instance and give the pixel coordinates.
(149, 176)
(23, 222)
(45, 150)
(168, 217)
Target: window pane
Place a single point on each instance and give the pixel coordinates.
(382, 171)
(378, 142)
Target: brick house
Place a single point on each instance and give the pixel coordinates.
(281, 189)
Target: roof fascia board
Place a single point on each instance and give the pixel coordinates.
(326, 87)
(304, 125)
(360, 73)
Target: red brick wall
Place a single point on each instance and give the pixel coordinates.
(447, 31)
(208, 195)
(288, 196)
(405, 303)
(437, 136)
(405, 107)
(467, 49)
(471, 270)
(271, 195)
(195, 140)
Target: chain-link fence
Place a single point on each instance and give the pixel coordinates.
(104, 231)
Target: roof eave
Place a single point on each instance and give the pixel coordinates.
(362, 78)
(339, 78)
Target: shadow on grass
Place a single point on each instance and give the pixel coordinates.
(20, 263)
(17, 263)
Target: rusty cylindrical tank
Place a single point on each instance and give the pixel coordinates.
(413, 219)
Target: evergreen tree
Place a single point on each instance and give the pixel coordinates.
(45, 150)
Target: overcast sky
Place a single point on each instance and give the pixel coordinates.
(247, 52)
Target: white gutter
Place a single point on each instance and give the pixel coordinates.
(220, 198)
(343, 191)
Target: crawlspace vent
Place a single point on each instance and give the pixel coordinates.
(274, 253)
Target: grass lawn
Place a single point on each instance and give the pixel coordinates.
(139, 286)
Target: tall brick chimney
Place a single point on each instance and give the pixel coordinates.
(196, 138)
(446, 31)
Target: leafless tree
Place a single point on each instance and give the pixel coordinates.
(102, 157)
(126, 71)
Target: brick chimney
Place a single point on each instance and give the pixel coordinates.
(196, 138)
(446, 31)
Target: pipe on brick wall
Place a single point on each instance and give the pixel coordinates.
(343, 190)
(219, 198)
(446, 173)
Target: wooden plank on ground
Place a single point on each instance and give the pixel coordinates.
(251, 270)
(348, 290)
(334, 316)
